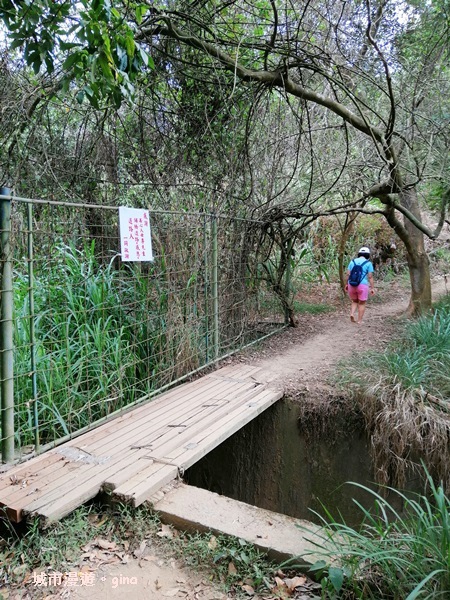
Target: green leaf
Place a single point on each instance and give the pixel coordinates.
(141, 9)
(146, 58)
(68, 45)
(36, 64)
(336, 576)
(318, 566)
(417, 590)
(49, 63)
(105, 66)
(129, 44)
(17, 43)
(71, 60)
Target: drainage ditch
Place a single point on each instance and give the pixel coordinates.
(294, 461)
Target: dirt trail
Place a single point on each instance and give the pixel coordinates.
(307, 354)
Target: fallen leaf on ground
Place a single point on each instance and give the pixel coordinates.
(104, 557)
(139, 551)
(166, 531)
(172, 592)
(248, 590)
(150, 557)
(124, 558)
(212, 544)
(105, 544)
(295, 582)
(231, 569)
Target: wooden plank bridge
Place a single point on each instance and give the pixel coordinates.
(134, 455)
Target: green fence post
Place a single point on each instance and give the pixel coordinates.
(215, 287)
(206, 287)
(6, 329)
(32, 318)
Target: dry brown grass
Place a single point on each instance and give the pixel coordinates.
(406, 427)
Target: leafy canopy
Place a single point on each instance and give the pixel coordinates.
(90, 41)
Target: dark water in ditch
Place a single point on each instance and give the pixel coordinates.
(293, 465)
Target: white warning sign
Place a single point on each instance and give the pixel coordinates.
(135, 235)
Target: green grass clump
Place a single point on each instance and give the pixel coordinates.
(419, 363)
(404, 395)
(232, 560)
(312, 309)
(394, 555)
(78, 540)
(101, 342)
(56, 548)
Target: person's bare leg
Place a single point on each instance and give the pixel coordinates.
(354, 310)
(361, 311)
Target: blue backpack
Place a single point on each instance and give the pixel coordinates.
(356, 274)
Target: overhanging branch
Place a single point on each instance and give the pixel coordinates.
(268, 78)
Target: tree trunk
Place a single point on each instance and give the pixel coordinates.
(418, 263)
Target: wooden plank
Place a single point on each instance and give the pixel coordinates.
(62, 507)
(137, 488)
(64, 484)
(50, 477)
(133, 434)
(25, 472)
(152, 478)
(120, 473)
(60, 499)
(86, 485)
(245, 372)
(239, 370)
(214, 416)
(38, 479)
(211, 438)
(135, 413)
(140, 415)
(165, 407)
(90, 481)
(124, 472)
(17, 504)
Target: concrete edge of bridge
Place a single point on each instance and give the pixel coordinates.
(279, 536)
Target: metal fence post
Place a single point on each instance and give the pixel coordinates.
(215, 287)
(206, 287)
(32, 331)
(6, 329)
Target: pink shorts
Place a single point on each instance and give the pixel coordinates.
(361, 292)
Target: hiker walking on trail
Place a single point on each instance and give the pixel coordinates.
(359, 279)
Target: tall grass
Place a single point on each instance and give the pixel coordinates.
(394, 555)
(97, 342)
(404, 394)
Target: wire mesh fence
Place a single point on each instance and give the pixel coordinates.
(91, 334)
